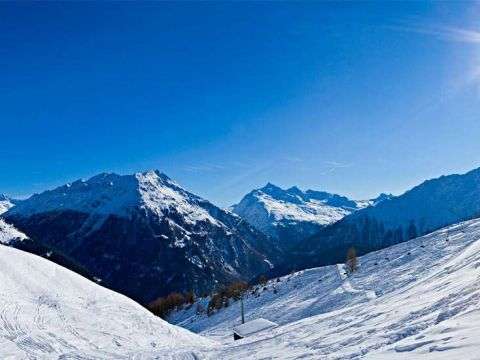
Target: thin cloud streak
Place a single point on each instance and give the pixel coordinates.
(201, 168)
(332, 166)
(454, 34)
(447, 33)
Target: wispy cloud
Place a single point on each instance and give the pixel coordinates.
(332, 166)
(470, 75)
(442, 32)
(201, 168)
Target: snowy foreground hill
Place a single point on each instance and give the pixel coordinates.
(49, 312)
(415, 300)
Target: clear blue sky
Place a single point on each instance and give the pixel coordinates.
(353, 98)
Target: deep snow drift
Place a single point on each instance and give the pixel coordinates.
(49, 312)
(419, 299)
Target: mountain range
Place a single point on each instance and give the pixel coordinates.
(429, 206)
(144, 235)
(291, 215)
(418, 299)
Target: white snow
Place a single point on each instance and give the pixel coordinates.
(48, 312)
(271, 209)
(415, 300)
(112, 194)
(252, 327)
(9, 233)
(95, 196)
(5, 204)
(310, 211)
(162, 195)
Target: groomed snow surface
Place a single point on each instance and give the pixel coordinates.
(48, 312)
(415, 300)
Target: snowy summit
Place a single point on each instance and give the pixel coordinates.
(292, 214)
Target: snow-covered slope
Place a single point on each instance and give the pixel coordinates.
(5, 203)
(49, 312)
(135, 232)
(416, 300)
(8, 233)
(292, 214)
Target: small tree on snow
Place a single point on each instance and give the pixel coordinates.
(352, 262)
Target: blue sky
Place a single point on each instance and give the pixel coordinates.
(353, 98)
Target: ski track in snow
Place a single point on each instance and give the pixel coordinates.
(48, 312)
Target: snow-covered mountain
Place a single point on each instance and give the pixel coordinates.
(292, 214)
(415, 300)
(5, 203)
(49, 312)
(144, 235)
(421, 210)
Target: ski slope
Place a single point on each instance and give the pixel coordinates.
(48, 312)
(416, 300)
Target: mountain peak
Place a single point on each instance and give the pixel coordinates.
(291, 214)
(156, 175)
(382, 197)
(270, 187)
(147, 219)
(112, 194)
(295, 191)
